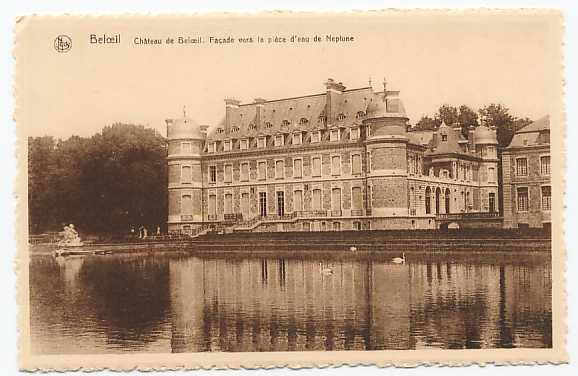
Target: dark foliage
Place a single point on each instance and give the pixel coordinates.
(104, 184)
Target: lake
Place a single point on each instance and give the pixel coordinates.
(177, 302)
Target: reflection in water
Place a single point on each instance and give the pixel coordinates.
(167, 303)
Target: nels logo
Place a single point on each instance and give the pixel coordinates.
(62, 43)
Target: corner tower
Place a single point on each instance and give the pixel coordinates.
(386, 143)
(185, 140)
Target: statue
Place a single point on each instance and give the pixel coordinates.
(70, 237)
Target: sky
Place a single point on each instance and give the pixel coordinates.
(432, 59)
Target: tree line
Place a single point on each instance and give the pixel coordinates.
(104, 184)
(495, 115)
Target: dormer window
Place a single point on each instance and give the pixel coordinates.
(360, 115)
(315, 137)
(212, 147)
(334, 135)
(297, 138)
(252, 126)
(235, 129)
(444, 137)
(354, 133)
(279, 140)
(285, 123)
(186, 148)
(262, 142)
(244, 144)
(341, 117)
(322, 119)
(268, 125)
(220, 130)
(227, 145)
(303, 121)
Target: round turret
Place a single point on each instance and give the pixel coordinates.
(485, 135)
(184, 128)
(383, 123)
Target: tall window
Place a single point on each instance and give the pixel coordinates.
(316, 166)
(244, 144)
(522, 199)
(368, 161)
(213, 205)
(228, 173)
(428, 200)
(546, 197)
(227, 145)
(245, 171)
(186, 175)
(336, 201)
(261, 142)
(262, 170)
(491, 174)
(521, 167)
(228, 203)
(356, 164)
(297, 168)
(212, 147)
(263, 204)
(279, 169)
(545, 165)
(297, 138)
(316, 199)
(315, 137)
(334, 135)
(245, 210)
(356, 199)
(212, 174)
(298, 200)
(335, 165)
(185, 147)
(279, 140)
(186, 205)
(280, 203)
(354, 133)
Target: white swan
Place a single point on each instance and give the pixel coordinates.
(399, 260)
(353, 248)
(325, 271)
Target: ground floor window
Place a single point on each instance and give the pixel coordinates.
(357, 226)
(522, 199)
(306, 226)
(546, 198)
(336, 226)
(187, 229)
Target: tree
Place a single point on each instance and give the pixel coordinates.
(426, 123)
(103, 184)
(498, 116)
(448, 114)
(467, 118)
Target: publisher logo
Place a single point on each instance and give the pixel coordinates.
(62, 43)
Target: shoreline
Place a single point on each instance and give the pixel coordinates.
(332, 242)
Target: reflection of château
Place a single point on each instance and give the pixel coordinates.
(339, 160)
(287, 305)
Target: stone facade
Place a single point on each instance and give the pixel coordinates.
(527, 192)
(340, 160)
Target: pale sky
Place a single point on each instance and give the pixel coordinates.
(471, 59)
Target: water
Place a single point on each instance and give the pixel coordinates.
(330, 301)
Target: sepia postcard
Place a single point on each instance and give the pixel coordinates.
(286, 189)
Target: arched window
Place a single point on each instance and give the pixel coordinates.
(252, 126)
(322, 119)
(428, 200)
(286, 123)
(341, 117)
(303, 121)
(360, 115)
(438, 194)
(235, 129)
(268, 125)
(220, 130)
(448, 196)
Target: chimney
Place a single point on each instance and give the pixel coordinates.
(333, 101)
(231, 110)
(260, 105)
(471, 143)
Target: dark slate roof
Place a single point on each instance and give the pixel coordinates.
(533, 134)
(303, 113)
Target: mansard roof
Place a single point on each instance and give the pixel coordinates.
(533, 134)
(304, 113)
